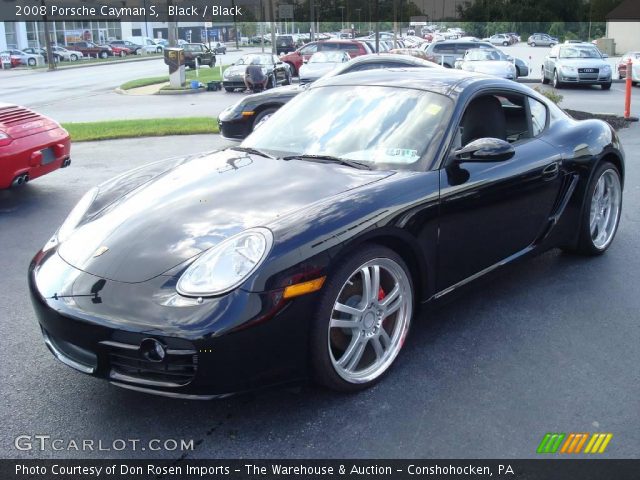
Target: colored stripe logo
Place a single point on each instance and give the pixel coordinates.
(574, 443)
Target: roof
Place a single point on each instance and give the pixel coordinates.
(627, 10)
(430, 79)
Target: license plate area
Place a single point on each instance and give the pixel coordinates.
(48, 156)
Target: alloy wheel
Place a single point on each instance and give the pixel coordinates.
(605, 209)
(370, 320)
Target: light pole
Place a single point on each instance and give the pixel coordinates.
(317, 12)
(359, 26)
(342, 17)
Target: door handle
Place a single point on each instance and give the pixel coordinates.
(551, 171)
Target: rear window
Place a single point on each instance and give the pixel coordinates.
(349, 47)
(444, 49)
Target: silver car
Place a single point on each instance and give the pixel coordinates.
(31, 59)
(500, 39)
(542, 39)
(321, 63)
(580, 64)
(488, 62)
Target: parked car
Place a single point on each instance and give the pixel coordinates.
(200, 51)
(149, 45)
(414, 52)
(43, 53)
(541, 39)
(515, 37)
(353, 47)
(303, 252)
(23, 58)
(121, 50)
(285, 44)
(500, 39)
(580, 64)
(482, 60)
(218, 48)
(322, 63)
(237, 121)
(635, 66)
(66, 54)
(134, 48)
(275, 69)
(91, 49)
(31, 145)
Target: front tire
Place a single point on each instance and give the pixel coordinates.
(263, 116)
(73, 57)
(505, 44)
(545, 80)
(533, 44)
(556, 81)
(103, 55)
(363, 319)
(606, 86)
(601, 214)
(31, 62)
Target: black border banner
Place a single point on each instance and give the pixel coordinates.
(187, 469)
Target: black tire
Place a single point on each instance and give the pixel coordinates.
(505, 44)
(212, 62)
(271, 83)
(264, 113)
(533, 44)
(634, 83)
(292, 69)
(585, 244)
(606, 86)
(31, 62)
(103, 55)
(544, 79)
(322, 368)
(552, 45)
(229, 89)
(556, 81)
(73, 57)
(138, 51)
(159, 50)
(287, 79)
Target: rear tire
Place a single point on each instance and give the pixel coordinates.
(545, 80)
(607, 177)
(556, 81)
(31, 62)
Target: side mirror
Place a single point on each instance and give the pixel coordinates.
(485, 150)
(305, 60)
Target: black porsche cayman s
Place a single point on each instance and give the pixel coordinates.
(306, 251)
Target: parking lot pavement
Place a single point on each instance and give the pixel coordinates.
(595, 100)
(551, 344)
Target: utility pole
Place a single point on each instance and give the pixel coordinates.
(262, 32)
(311, 15)
(171, 27)
(375, 13)
(235, 24)
(341, 7)
(272, 17)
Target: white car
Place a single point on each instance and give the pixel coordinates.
(487, 61)
(65, 54)
(500, 39)
(322, 63)
(149, 45)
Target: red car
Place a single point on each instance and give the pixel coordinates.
(31, 145)
(120, 51)
(295, 59)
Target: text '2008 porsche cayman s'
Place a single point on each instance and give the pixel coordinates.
(306, 251)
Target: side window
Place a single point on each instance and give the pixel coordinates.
(330, 46)
(309, 49)
(538, 116)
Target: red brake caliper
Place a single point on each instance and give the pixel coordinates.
(381, 294)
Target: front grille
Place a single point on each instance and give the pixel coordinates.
(176, 369)
(588, 73)
(14, 115)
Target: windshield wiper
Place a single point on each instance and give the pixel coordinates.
(329, 158)
(254, 151)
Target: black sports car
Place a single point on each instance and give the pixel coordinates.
(305, 251)
(273, 68)
(238, 120)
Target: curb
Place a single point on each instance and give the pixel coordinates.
(190, 91)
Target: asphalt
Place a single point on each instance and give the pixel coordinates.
(548, 345)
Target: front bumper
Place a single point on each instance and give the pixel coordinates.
(211, 348)
(235, 126)
(584, 79)
(34, 155)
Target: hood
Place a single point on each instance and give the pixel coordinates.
(491, 67)
(316, 70)
(582, 62)
(194, 206)
(234, 71)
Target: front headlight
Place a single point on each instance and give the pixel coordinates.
(606, 69)
(568, 69)
(73, 219)
(228, 264)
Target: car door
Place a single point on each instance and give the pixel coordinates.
(550, 61)
(491, 211)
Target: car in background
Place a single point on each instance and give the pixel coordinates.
(448, 52)
(90, 49)
(541, 39)
(9, 59)
(354, 48)
(200, 52)
(43, 53)
(18, 57)
(134, 48)
(275, 69)
(239, 120)
(218, 48)
(320, 64)
(31, 145)
(285, 44)
(149, 45)
(581, 64)
(500, 39)
(121, 50)
(515, 37)
(66, 54)
(414, 52)
(635, 66)
(488, 62)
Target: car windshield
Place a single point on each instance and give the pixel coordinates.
(579, 52)
(255, 60)
(384, 127)
(327, 57)
(478, 55)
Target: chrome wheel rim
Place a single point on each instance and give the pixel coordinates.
(370, 320)
(605, 209)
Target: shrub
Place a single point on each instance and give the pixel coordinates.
(552, 95)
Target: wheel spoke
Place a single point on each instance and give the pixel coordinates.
(375, 283)
(341, 307)
(385, 338)
(338, 323)
(377, 347)
(348, 353)
(366, 286)
(391, 296)
(393, 307)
